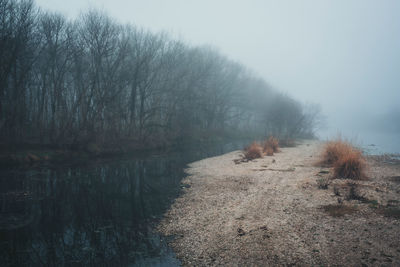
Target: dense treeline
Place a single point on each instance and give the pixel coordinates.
(95, 80)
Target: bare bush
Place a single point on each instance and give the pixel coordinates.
(253, 151)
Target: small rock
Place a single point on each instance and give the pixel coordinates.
(241, 232)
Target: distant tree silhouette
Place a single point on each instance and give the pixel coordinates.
(93, 80)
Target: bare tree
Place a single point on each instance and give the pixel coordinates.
(94, 80)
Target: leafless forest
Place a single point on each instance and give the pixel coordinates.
(93, 79)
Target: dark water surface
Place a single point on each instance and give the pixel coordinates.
(102, 214)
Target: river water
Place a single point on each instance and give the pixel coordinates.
(371, 142)
(101, 214)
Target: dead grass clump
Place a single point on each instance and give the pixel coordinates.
(268, 151)
(271, 143)
(346, 160)
(253, 151)
(333, 151)
(351, 165)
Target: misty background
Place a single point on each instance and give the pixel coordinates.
(343, 55)
(104, 103)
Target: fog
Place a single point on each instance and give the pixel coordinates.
(104, 103)
(343, 55)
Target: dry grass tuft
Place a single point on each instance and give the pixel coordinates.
(271, 143)
(269, 151)
(253, 151)
(351, 165)
(333, 151)
(346, 160)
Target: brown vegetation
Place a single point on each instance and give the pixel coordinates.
(268, 151)
(253, 151)
(334, 150)
(350, 165)
(272, 143)
(346, 160)
(270, 210)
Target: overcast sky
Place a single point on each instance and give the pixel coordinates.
(342, 54)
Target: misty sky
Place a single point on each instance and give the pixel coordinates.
(342, 54)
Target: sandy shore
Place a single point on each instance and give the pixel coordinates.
(283, 210)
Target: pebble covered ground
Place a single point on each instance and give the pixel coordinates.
(285, 210)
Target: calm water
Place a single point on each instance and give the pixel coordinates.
(98, 215)
(371, 142)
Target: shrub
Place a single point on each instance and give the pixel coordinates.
(272, 143)
(351, 165)
(268, 151)
(346, 160)
(253, 151)
(333, 151)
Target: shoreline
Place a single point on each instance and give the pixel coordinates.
(32, 156)
(273, 211)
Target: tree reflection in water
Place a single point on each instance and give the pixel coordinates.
(99, 215)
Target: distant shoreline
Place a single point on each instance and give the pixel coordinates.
(35, 155)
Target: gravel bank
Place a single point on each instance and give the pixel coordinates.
(273, 211)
